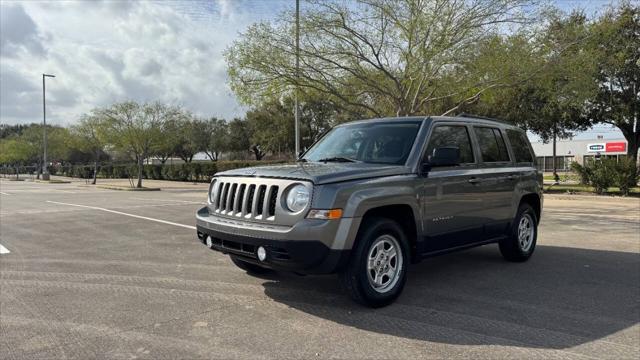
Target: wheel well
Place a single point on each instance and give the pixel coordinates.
(534, 201)
(403, 215)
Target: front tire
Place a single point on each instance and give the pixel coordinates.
(522, 238)
(249, 267)
(377, 270)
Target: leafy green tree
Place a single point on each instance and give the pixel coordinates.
(57, 144)
(192, 136)
(551, 100)
(90, 135)
(169, 141)
(239, 136)
(615, 44)
(316, 117)
(272, 128)
(217, 132)
(137, 129)
(15, 152)
(371, 57)
(7, 130)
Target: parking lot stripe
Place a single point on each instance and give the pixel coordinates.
(125, 214)
(170, 200)
(4, 193)
(4, 250)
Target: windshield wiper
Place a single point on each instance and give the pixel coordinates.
(337, 159)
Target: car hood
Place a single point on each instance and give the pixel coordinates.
(320, 173)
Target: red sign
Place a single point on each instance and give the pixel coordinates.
(616, 146)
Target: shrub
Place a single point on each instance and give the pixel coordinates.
(584, 172)
(209, 170)
(184, 172)
(237, 164)
(625, 175)
(169, 172)
(153, 172)
(195, 171)
(601, 177)
(105, 171)
(119, 172)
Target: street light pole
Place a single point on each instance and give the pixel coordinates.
(45, 171)
(297, 125)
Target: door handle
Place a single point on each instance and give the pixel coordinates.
(473, 180)
(512, 177)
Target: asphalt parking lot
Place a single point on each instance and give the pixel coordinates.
(84, 282)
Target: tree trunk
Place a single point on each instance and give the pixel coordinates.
(633, 142)
(213, 156)
(632, 135)
(95, 170)
(140, 166)
(555, 170)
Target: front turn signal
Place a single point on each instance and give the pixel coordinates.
(330, 214)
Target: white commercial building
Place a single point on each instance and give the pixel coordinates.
(581, 151)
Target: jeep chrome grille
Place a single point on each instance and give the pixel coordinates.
(244, 199)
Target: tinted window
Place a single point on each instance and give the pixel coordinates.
(520, 146)
(372, 142)
(491, 144)
(451, 136)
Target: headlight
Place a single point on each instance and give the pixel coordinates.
(211, 194)
(297, 198)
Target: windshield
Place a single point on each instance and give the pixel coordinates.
(373, 142)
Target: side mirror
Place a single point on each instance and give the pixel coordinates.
(425, 168)
(445, 156)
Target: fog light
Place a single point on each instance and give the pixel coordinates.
(209, 242)
(262, 253)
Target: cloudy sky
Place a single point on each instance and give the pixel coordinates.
(107, 51)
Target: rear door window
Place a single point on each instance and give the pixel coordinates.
(492, 145)
(520, 146)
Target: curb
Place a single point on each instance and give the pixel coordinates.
(122, 188)
(52, 181)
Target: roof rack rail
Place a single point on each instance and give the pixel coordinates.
(467, 115)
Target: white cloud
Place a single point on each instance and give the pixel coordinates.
(108, 51)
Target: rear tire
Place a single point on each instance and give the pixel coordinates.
(521, 241)
(377, 269)
(249, 267)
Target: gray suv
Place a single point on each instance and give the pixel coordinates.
(372, 196)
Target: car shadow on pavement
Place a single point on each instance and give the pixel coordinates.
(560, 298)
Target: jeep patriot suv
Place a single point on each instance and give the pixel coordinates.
(372, 196)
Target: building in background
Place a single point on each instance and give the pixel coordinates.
(581, 151)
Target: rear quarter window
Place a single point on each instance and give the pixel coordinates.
(520, 146)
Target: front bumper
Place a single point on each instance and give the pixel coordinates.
(303, 248)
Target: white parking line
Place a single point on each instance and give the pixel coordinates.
(4, 250)
(170, 200)
(4, 193)
(125, 214)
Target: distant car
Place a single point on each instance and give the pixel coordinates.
(372, 196)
